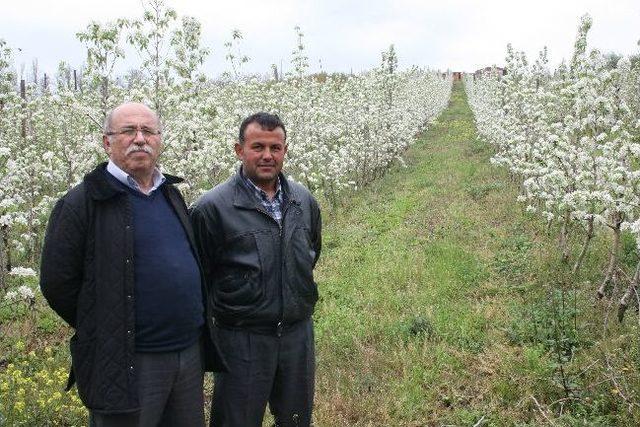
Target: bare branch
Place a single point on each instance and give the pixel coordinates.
(542, 411)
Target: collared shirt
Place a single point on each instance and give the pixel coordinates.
(273, 207)
(126, 179)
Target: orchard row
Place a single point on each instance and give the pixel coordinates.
(571, 136)
(343, 130)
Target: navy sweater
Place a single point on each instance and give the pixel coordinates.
(169, 307)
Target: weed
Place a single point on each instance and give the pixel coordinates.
(418, 327)
(479, 191)
(512, 262)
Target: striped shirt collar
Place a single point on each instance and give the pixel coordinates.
(126, 179)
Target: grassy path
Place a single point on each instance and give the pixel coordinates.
(410, 326)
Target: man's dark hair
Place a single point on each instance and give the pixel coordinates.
(266, 121)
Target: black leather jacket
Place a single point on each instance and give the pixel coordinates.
(88, 279)
(260, 274)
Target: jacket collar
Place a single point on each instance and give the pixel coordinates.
(100, 187)
(244, 199)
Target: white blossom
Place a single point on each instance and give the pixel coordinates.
(570, 134)
(22, 271)
(342, 130)
(22, 293)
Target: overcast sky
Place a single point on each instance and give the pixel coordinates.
(340, 35)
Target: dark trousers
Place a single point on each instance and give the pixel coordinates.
(278, 370)
(170, 390)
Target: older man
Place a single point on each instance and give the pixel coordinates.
(259, 238)
(119, 265)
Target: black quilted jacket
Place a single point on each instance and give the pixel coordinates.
(88, 279)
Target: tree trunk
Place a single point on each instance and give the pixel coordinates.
(104, 96)
(23, 95)
(3, 264)
(630, 297)
(5, 254)
(564, 237)
(613, 256)
(585, 246)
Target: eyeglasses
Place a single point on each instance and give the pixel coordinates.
(131, 132)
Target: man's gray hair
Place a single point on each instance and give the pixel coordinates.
(106, 126)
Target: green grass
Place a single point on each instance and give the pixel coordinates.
(437, 299)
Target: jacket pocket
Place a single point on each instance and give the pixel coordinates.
(302, 259)
(239, 293)
(240, 289)
(83, 361)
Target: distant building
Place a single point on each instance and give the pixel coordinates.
(486, 71)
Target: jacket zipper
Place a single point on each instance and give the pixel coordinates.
(279, 325)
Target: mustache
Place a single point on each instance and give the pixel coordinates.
(135, 148)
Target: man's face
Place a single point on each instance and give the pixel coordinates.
(262, 154)
(135, 154)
